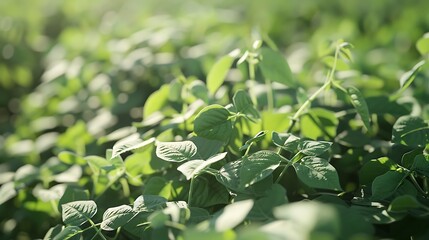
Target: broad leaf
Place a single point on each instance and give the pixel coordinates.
(7, 191)
(176, 151)
(421, 164)
(218, 72)
(258, 166)
(404, 203)
(317, 173)
(70, 232)
(386, 185)
(192, 168)
(407, 78)
(275, 67)
(422, 44)
(156, 101)
(116, 217)
(231, 216)
(243, 104)
(259, 136)
(149, 203)
(129, 143)
(360, 105)
(52, 232)
(213, 123)
(78, 212)
(411, 131)
(313, 148)
(286, 141)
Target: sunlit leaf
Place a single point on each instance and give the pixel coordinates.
(218, 72)
(360, 105)
(116, 217)
(231, 216)
(78, 212)
(176, 151)
(275, 67)
(192, 168)
(129, 143)
(258, 166)
(317, 172)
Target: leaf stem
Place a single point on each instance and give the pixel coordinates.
(191, 187)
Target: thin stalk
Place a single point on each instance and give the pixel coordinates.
(417, 185)
(191, 187)
(283, 172)
(98, 230)
(270, 95)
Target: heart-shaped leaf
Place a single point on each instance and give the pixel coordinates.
(258, 166)
(78, 212)
(176, 151)
(317, 173)
(116, 217)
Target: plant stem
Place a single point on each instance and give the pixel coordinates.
(191, 187)
(270, 95)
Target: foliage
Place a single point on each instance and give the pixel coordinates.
(152, 126)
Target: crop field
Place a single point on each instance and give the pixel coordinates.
(218, 120)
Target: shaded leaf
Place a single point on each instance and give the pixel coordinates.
(286, 141)
(317, 173)
(213, 123)
(69, 232)
(421, 164)
(243, 104)
(404, 203)
(411, 131)
(385, 185)
(313, 148)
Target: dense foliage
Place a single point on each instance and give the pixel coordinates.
(228, 120)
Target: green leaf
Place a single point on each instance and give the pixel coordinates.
(259, 136)
(404, 203)
(317, 173)
(287, 141)
(129, 143)
(156, 101)
(52, 232)
(375, 168)
(218, 72)
(71, 158)
(176, 151)
(193, 168)
(243, 104)
(421, 164)
(7, 192)
(407, 78)
(158, 219)
(258, 166)
(208, 192)
(360, 105)
(78, 212)
(116, 217)
(411, 131)
(231, 216)
(194, 234)
(213, 123)
(275, 67)
(319, 123)
(97, 163)
(70, 232)
(386, 185)
(149, 203)
(422, 44)
(313, 148)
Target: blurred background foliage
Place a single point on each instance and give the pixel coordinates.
(73, 71)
